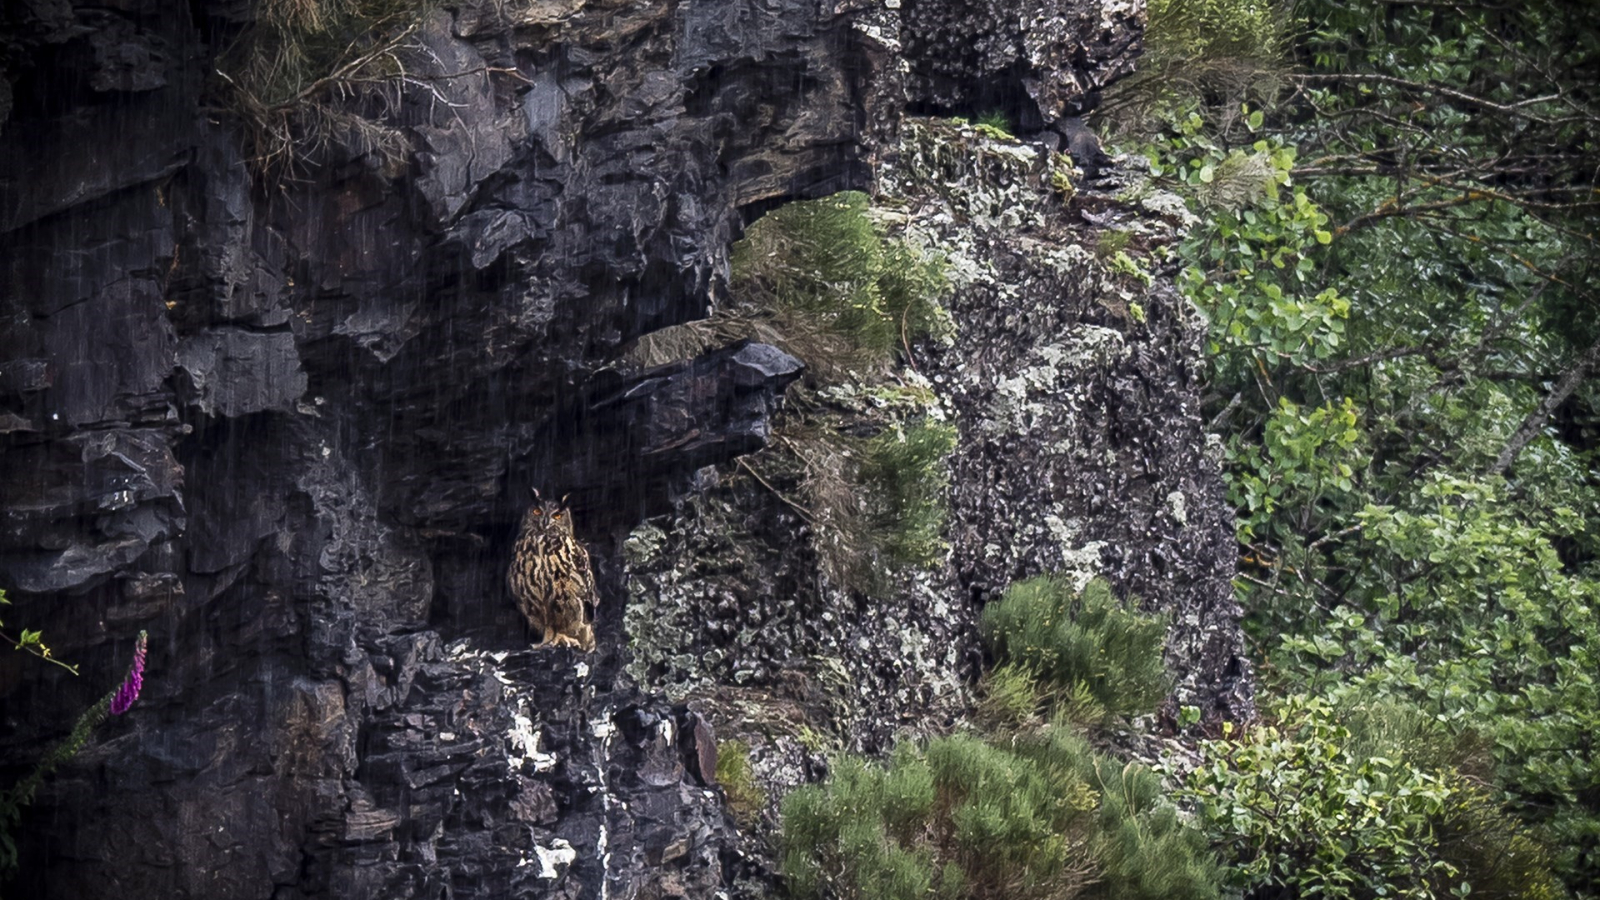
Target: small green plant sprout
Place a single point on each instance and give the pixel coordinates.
(1087, 643)
(746, 798)
(995, 125)
(117, 702)
(1112, 241)
(31, 641)
(1188, 716)
(1136, 311)
(1124, 264)
(1063, 175)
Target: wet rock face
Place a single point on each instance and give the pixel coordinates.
(289, 428)
(1034, 61)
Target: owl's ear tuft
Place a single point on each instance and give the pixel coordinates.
(536, 494)
(564, 499)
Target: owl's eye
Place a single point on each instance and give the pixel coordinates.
(556, 516)
(538, 512)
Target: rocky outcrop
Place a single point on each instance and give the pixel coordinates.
(287, 427)
(1062, 363)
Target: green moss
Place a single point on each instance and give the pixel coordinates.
(1089, 644)
(995, 125)
(746, 799)
(1124, 264)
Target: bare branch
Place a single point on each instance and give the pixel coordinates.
(1425, 88)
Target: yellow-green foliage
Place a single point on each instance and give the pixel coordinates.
(842, 296)
(1090, 642)
(1011, 697)
(1039, 815)
(1222, 50)
(995, 125)
(746, 799)
(1063, 176)
(1363, 801)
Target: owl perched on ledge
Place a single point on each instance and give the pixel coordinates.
(550, 576)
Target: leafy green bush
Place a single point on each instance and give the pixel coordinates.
(1064, 641)
(1311, 808)
(1380, 558)
(1040, 815)
(1402, 345)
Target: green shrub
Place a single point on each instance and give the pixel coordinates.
(1041, 816)
(1216, 52)
(1065, 641)
(905, 472)
(858, 835)
(823, 280)
(839, 294)
(1311, 808)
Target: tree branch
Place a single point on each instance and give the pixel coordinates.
(1422, 87)
(1535, 422)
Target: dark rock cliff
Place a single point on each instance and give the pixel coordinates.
(288, 427)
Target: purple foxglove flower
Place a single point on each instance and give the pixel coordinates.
(129, 691)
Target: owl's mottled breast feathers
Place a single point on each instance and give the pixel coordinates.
(551, 578)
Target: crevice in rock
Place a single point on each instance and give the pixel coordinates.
(1002, 94)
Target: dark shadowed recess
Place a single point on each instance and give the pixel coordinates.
(1004, 95)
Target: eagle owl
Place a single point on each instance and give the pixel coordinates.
(550, 576)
